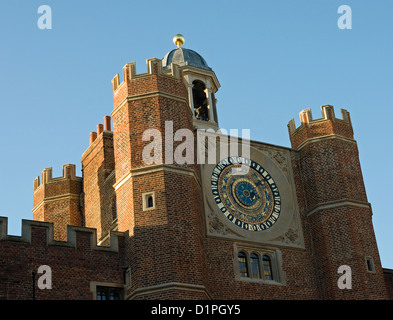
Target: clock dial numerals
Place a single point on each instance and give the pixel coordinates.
(250, 198)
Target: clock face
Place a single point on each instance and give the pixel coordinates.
(246, 193)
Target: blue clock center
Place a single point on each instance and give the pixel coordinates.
(246, 193)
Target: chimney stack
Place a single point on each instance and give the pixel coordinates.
(100, 128)
(107, 123)
(93, 136)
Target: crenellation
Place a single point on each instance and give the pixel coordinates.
(115, 82)
(154, 67)
(47, 175)
(69, 173)
(72, 235)
(306, 118)
(36, 182)
(326, 127)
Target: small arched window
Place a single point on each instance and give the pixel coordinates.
(255, 267)
(200, 100)
(242, 259)
(267, 268)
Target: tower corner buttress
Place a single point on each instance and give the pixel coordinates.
(336, 205)
(98, 166)
(57, 200)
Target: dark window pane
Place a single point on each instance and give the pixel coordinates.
(255, 273)
(370, 265)
(150, 202)
(114, 295)
(109, 293)
(101, 295)
(114, 209)
(242, 264)
(267, 268)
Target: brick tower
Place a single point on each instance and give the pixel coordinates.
(158, 203)
(339, 215)
(57, 200)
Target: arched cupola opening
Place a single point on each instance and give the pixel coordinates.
(200, 100)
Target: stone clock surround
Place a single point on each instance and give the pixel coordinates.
(217, 224)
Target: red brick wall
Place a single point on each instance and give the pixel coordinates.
(73, 266)
(167, 240)
(344, 236)
(388, 275)
(62, 213)
(297, 265)
(331, 171)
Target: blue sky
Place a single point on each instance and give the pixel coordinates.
(272, 58)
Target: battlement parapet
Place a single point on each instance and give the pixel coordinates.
(306, 118)
(69, 173)
(328, 125)
(73, 236)
(154, 67)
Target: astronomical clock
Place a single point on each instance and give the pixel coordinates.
(252, 198)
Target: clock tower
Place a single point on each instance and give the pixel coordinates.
(159, 201)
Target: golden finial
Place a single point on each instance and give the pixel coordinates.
(178, 40)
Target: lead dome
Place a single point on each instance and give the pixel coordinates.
(183, 57)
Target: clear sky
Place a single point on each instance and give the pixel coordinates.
(272, 58)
